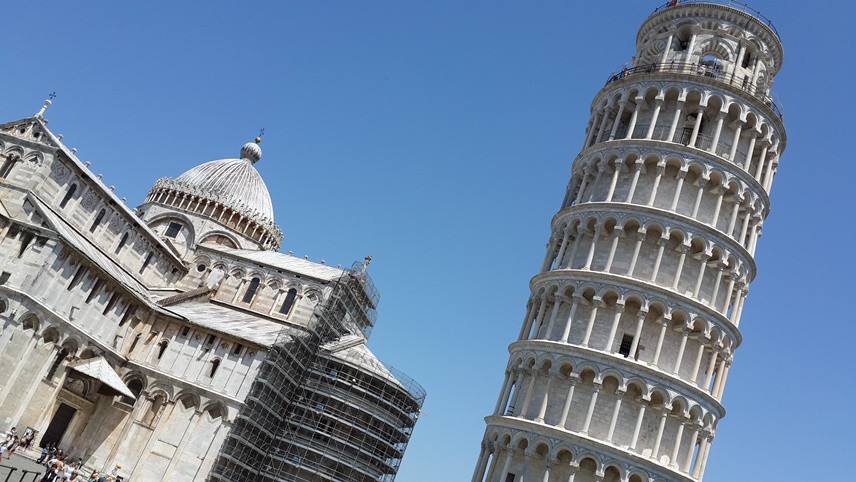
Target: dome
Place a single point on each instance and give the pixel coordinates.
(233, 181)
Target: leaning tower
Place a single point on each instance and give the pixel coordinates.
(632, 322)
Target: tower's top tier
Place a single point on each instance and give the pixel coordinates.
(716, 35)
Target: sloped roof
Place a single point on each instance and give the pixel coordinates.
(99, 369)
(104, 190)
(285, 262)
(224, 319)
(352, 349)
(82, 244)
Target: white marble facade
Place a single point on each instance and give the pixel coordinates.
(621, 364)
(181, 296)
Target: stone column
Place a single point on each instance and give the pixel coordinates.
(575, 301)
(478, 475)
(640, 321)
(617, 168)
(658, 104)
(639, 417)
(568, 401)
(748, 161)
(680, 177)
(591, 406)
(673, 460)
(503, 394)
(614, 420)
(699, 194)
(529, 391)
(507, 466)
(681, 349)
(720, 118)
(632, 125)
(621, 106)
(659, 439)
(661, 247)
(542, 412)
(556, 305)
(696, 126)
(619, 309)
(683, 249)
(596, 303)
(616, 234)
(737, 131)
(675, 120)
(693, 441)
(602, 130)
(593, 246)
(664, 326)
(638, 167)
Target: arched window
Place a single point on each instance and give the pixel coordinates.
(56, 363)
(288, 302)
(136, 387)
(215, 364)
(162, 348)
(97, 222)
(10, 162)
(251, 290)
(122, 243)
(68, 195)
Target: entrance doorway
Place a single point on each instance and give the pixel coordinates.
(58, 425)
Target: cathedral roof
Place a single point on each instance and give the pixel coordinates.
(352, 349)
(234, 182)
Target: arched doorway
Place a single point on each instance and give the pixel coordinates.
(59, 424)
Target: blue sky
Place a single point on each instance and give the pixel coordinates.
(438, 137)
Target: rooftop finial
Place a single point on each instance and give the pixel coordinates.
(251, 150)
(47, 104)
(366, 261)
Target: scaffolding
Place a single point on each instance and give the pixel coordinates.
(322, 407)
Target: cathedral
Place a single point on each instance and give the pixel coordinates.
(174, 340)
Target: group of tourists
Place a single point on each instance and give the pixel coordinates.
(13, 442)
(59, 468)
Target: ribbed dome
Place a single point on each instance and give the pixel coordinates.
(233, 181)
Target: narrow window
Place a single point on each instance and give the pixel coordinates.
(210, 340)
(68, 195)
(146, 262)
(185, 331)
(113, 298)
(237, 349)
(134, 343)
(11, 160)
(122, 243)
(94, 290)
(162, 349)
(76, 278)
(288, 302)
(26, 239)
(57, 361)
(129, 312)
(251, 290)
(4, 277)
(173, 230)
(215, 364)
(97, 222)
(626, 344)
(510, 478)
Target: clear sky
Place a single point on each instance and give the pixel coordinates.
(438, 137)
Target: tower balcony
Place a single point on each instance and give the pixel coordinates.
(708, 73)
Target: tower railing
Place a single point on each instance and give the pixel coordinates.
(698, 69)
(743, 7)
